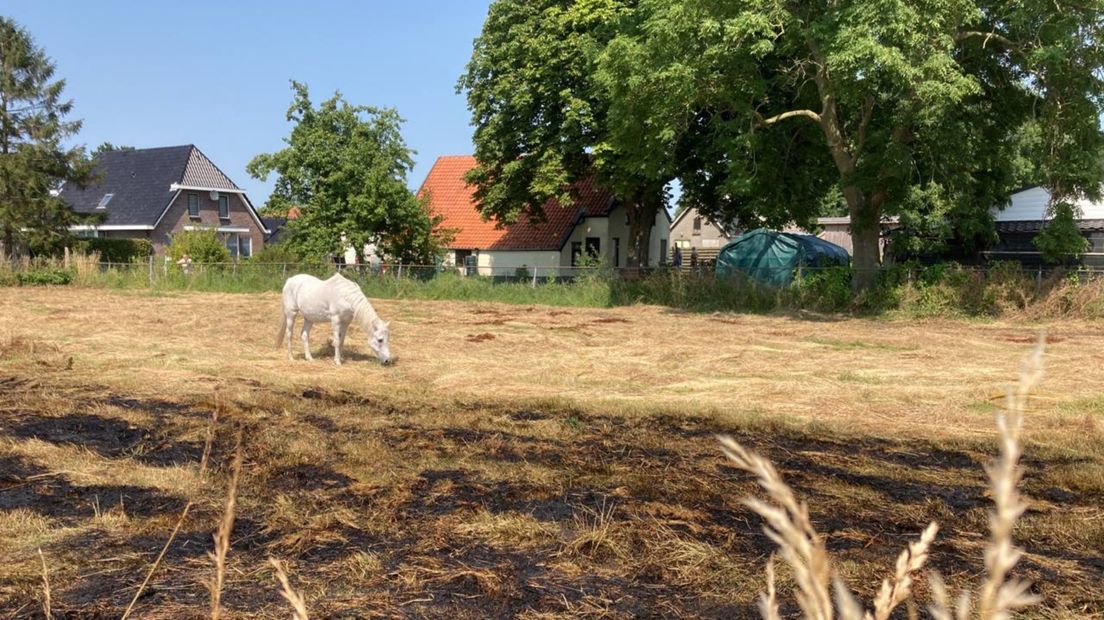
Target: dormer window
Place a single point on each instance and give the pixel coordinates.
(224, 206)
(193, 206)
(103, 201)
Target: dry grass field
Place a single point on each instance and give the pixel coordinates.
(517, 461)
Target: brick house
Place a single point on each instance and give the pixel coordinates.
(155, 193)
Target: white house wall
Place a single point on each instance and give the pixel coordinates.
(616, 226)
(1031, 204)
(507, 262)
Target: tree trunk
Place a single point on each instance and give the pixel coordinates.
(642, 214)
(866, 255)
(7, 252)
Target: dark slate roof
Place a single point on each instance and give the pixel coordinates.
(140, 182)
(275, 226)
(1034, 226)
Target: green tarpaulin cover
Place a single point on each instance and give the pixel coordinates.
(771, 257)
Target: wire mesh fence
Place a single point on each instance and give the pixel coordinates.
(160, 269)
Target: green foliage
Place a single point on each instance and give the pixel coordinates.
(115, 250)
(1061, 240)
(345, 166)
(203, 246)
(901, 108)
(543, 118)
(33, 157)
(276, 253)
(45, 276)
(108, 147)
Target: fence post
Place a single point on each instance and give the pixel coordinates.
(535, 276)
(66, 257)
(151, 269)
(1039, 281)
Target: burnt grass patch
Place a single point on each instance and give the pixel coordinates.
(483, 512)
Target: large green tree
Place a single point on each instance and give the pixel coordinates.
(908, 108)
(345, 166)
(542, 115)
(33, 159)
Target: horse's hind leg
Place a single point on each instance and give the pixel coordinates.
(305, 335)
(289, 326)
(338, 338)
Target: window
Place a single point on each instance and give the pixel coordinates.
(91, 233)
(576, 252)
(593, 246)
(682, 243)
(103, 201)
(616, 251)
(697, 225)
(224, 206)
(240, 245)
(193, 206)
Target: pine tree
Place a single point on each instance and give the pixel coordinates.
(33, 158)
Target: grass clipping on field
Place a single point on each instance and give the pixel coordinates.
(788, 525)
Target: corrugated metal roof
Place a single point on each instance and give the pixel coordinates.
(1034, 226)
(452, 198)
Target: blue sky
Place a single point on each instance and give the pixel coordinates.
(215, 73)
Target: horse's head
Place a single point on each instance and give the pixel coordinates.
(379, 340)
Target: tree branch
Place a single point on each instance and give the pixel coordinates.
(783, 116)
(988, 36)
(867, 114)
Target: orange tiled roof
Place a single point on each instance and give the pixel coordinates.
(452, 198)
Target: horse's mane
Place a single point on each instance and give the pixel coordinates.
(363, 312)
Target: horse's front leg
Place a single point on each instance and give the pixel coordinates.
(338, 338)
(304, 334)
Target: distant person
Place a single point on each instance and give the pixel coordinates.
(371, 256)
(185, 263)
(676, 258)
(693, 259)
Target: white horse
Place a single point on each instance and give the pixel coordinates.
(338, 301)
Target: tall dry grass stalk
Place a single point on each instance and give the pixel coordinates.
(201, 476)
(788, 525)
(222, 536)
(47, 607)
(295, 599)
(1000, 595)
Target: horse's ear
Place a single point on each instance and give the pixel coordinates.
(387, 324)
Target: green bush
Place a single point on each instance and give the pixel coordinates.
(275, 253)
(203, 246)
(825, 290)
(45, 276)
(115, 250)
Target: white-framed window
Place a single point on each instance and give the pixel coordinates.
(224, 206)
(90, 234)
(193, 206)
(103, 201)
(239, 244)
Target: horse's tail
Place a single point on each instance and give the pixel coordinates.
(280, 329)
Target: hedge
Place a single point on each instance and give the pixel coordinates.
(115, 250)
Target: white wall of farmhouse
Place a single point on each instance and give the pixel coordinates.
(1030, 205)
